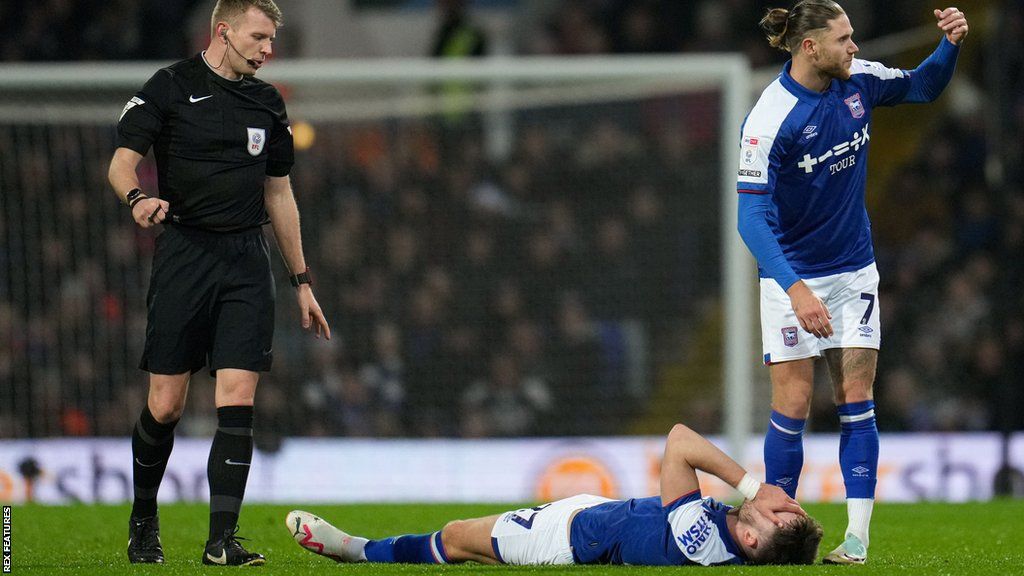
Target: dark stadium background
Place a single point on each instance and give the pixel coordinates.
(464, 289)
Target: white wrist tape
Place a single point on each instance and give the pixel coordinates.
(748, 486)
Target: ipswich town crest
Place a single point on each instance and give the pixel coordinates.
(855, 105)
(257, 138)
(789, 336)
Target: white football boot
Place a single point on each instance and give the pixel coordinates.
(319, 536)
(851, 551)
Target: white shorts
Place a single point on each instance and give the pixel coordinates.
(539, 535)
(851, 297)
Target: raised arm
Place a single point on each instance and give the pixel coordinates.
(932, 76)
(284, 218)
(686, 452)
(953, 24)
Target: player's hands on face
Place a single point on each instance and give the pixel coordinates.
(312, 316)
(149, 212)
(953, 22)
(771, 499)
(812, 313)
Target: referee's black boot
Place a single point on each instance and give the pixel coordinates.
(144, 541)
(227, 551)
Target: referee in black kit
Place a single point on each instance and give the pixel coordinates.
(223, 150)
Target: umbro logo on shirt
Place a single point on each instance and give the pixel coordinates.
(193, 99)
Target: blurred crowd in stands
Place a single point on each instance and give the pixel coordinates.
(468, 297)
(131, 30)
(671, 26)
(546, 293)
(509, 298)
(94, 30)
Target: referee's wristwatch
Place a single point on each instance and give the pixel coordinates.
(133, 197)
(301, 278)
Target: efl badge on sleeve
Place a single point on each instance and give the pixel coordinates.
(257, 137)
(855, 105)
(790, 336)
(749, 152)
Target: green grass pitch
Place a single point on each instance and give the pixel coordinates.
(933, 539)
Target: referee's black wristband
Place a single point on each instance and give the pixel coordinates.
(133, 197)
(301, 278)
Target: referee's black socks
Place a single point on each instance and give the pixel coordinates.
(151, 447)
(228, 467)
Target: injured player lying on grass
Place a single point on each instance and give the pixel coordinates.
(677, 528)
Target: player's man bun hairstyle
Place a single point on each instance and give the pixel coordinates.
(795, 543)
(786, 29)
(229, 10)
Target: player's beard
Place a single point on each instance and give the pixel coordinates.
(833, 68)
(842, 71)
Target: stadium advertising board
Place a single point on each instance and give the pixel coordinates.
(951, 467)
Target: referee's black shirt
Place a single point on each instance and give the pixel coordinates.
(215, 141)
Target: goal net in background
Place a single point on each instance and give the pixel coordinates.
(503, 248)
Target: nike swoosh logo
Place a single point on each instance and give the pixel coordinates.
(231, 462)
(139, 462)
(222, 559)
(193, 99)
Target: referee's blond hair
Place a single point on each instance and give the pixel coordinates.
(229, 11)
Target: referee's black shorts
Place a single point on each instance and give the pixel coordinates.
(211, 302)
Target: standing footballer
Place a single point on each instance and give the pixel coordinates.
(223, 151)
(802, 168)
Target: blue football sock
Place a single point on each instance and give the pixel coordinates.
(858, 448)
(407, 549)
(784, 452)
